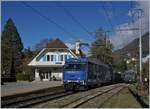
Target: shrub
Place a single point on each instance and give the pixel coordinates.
(24, 77)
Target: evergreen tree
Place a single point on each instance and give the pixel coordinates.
(12, 46)
(28, 53)
(101, 47)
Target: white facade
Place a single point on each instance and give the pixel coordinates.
(49, 63)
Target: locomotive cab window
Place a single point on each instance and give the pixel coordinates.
(75, 66)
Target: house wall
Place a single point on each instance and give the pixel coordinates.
(50, 61)
(57, 56)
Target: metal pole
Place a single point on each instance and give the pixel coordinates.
(106, 39)
(140, 43)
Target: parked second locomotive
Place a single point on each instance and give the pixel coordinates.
(129, 76)
(83, 73)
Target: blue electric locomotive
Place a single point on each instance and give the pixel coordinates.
(83, 73)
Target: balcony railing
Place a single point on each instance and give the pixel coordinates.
(50, 63)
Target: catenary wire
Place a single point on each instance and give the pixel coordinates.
(74, 18)
(49, 20)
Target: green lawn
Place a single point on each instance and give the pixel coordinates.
(145, 98)
(124, 99)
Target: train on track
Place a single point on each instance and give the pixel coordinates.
(84, 73)
(129, 76)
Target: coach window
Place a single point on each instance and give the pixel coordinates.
(90, 67)
(94, 67)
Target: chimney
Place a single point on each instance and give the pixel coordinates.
(77, 47)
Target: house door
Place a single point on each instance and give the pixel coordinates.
(45, 76)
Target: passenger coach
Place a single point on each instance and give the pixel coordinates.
(83, 73)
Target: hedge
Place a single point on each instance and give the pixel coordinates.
(21, 76)
(8, 79)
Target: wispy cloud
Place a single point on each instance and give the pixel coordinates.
(120, 39)
(106, 10)
(70, 45)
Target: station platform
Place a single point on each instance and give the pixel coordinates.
(24, 86)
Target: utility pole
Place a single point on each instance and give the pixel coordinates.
(140, 41)
(138, 12)
(139, 16)
(106, 39)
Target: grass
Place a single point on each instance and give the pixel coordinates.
(124, 99)
(144, 97)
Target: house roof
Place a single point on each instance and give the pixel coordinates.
(57, 43)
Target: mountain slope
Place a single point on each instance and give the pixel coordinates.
(132, 49)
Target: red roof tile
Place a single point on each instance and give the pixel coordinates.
(57, 43)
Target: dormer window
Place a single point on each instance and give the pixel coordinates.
(44, 58)
(52, 57)
(48, 58)
(61, 58)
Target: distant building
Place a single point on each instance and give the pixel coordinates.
(49, 62)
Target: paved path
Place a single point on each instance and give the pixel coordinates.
(24, 86)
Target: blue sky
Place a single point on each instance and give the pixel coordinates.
(33, 28)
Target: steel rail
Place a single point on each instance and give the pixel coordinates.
(32, 99)
(83, 100)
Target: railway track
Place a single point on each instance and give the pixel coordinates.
(81, 98)
(84, 101)
(29, 100)
(26, 100)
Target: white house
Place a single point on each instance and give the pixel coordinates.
(49, 62)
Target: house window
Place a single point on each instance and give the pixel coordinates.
(61, 57)
(44, 58)
(48, 58)
(52, 57)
